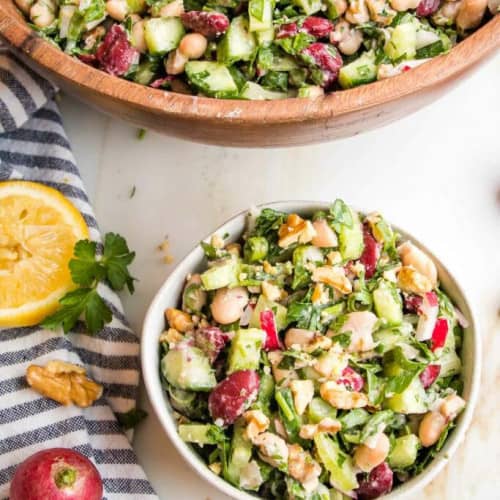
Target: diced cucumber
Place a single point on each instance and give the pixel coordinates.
(404, 452)
(244, 353)
(212, 79)
(402, 43)
(265, 37)
(361, 70)
(163, 34)
(238, 43)
(145, 73)
(411, 400)
(331, 9)
(351, 242)
(221, 274)
(136, 6)
(255, 249)
(272, 59)
(319, 409)
(386, 340)
(448, 358)
(310, 92)
(241, 453)
(254, 92)
(342, 472)
(260, 14)
(264, 304)
(309, 6)
(198, 433)
(188, 368)
(388, 303)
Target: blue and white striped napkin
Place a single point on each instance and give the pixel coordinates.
(34, 146)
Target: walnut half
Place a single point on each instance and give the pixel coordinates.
(63, 382)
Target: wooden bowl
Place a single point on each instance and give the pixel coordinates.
(286, 122)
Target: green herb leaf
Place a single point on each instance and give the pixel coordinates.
(375, 423)
(116, 259)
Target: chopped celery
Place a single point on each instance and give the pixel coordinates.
(199, 433)
(319, 409)
(388, 303)
(339, 465)
(351, 243)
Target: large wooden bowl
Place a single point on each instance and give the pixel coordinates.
(251, 123)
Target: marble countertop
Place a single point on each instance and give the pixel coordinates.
(435, 173)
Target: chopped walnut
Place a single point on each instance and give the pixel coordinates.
(179, 320)
(333, 276)
(410, 280)
(340, 398)
(257, 423)
(303, 468)
(294, 230)
(63, 382)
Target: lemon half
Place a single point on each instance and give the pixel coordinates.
(38, 231)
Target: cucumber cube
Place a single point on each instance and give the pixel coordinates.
(403, 42)
(244, 353)
(411, 400)
(404, 452)
(214, 80)
(360, 71)
(238, 43)
(264, 304)
(163, 34)
(351, 243)
(388, 303)
(309, 6)
(254, 92)
(260, 14)
(222, 274)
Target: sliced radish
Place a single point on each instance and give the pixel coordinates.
(268, 324)
(429, 375)
(439, 334)
(371, 253)
(428, 316)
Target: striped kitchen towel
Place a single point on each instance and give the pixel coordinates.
(34, 146)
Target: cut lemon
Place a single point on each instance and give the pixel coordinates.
(38, 230)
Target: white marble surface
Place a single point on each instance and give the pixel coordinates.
(436, 173)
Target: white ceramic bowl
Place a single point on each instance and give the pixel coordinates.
(169, 296)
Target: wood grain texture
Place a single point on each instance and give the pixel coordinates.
(287, 122)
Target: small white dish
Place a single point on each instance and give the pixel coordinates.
(169, 296)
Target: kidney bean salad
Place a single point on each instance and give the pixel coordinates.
(256, 49)
(315, 358)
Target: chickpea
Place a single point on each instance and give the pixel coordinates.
(446, 14)
(298, 336)
(412, 256)
(24, 5)
(494, 6)
(42, 13)
(228, 304)
(138, 40)
(348, 40)
(193, 45)
(367, 458)
(325, 237)
(380, 12)
(357, 13)
(172, 9)
(470, 14)
(431, 427)
(404, 5)
(117, 9)
(175, 62)
(451, 406)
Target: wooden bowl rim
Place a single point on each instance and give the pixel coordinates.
(163, 103)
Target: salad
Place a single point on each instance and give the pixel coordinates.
(316, 358)
(256, 49)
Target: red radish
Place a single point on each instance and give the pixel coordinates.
(268, 324)
(351, 379)
(429, 375)
(378, 483)
(428, 316)
(233, 396)
(413, 303)
(439, 334)
(56, 474)
(371, 253)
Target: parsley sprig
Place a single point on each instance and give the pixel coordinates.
(88, 269)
